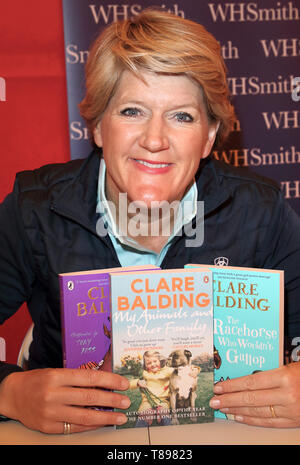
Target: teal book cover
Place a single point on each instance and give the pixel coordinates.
(162, 341)
(248, 321)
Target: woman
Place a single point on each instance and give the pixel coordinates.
(156, 103)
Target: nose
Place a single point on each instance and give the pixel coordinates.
(154, 137)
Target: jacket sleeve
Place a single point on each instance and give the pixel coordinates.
(282, 244)
(16, 265)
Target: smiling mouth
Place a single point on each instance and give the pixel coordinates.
(152, 164)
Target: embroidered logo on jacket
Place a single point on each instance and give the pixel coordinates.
(221, 261)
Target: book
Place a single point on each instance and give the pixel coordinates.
(162, 341)
(85, 316)
(248, 321)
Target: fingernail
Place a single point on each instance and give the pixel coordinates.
(218, 389)
(121, 420)
(238, 418)
(125, 403)
(215, 403)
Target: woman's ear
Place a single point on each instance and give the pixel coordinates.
(212, 134)
(97, 135)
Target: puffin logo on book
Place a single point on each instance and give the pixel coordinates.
(221, 261)
(70, 285)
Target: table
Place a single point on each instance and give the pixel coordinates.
(221, 432)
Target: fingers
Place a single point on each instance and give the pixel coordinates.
(93, 378)
(266, 422)
(93, 397)
(260, 415)
(91, 417)
(262, 380)
(257, 412)
(269, 399)
(85, 409)
(91, 388)
(80, 419)
(62, 395)
(248, 399)
(86, 394)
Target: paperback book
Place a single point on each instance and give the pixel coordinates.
(162, 341)
(248, 321)
(85, 316)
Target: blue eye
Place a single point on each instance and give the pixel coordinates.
(184, 117)
(130, 112)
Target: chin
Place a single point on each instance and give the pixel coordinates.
(143, 200)
(140, 202)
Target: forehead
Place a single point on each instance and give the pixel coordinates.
(151, 357)
(158, 88)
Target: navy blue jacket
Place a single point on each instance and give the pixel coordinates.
(48, 226)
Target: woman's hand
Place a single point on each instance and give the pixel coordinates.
(44, 399)
(270, 398)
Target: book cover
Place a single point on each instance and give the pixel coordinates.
(162, 340)
(85, 316)
(248, 321)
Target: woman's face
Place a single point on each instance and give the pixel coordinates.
(153, 135)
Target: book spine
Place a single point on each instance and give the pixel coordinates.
(62, 317)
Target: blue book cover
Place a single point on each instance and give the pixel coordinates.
(162, 341)
(248, 321)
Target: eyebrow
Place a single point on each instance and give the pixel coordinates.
(177, 107)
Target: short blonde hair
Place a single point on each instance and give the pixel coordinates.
(160, 42)
(156, 354)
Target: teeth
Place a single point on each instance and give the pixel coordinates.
(153, 165)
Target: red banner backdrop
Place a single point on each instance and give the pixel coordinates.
(33, 108)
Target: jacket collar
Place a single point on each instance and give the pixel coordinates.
(78, 199)
(213, 188)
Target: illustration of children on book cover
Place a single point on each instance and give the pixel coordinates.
(162, 330)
